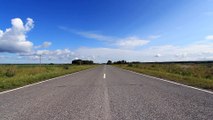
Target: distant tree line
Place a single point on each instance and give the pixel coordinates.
(120, 62)
(117, 62)
(82, 62)
(167, 62)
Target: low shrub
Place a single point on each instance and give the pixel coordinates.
(130, 65)
(66, 67)
(11, 71)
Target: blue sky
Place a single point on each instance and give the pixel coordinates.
(134, 30)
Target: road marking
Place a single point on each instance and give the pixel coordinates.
(7, 91)
(104, 76)
(106, 104)
(172, 82)
(107, 113)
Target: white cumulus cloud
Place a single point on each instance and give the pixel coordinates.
(158, 55)
(14, 39)
(154, 53)
(209, 37)
(59, 54)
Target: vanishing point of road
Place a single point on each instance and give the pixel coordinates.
(106, 93)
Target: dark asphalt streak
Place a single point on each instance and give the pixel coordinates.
(121, 95)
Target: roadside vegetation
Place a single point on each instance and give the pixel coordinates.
(193, 74)
(13, 76)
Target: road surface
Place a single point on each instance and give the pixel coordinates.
(106, 93)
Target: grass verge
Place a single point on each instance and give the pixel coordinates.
(197, 75)
(13, 76)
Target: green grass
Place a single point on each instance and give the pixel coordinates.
(197, 75)
(13, 76)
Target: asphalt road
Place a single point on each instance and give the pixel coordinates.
(106, 93)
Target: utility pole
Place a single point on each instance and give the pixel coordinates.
(40, 59)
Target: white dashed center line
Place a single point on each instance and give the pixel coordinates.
(104, 76)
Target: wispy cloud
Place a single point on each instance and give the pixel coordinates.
(87, 34)
(129, 42)
(154, 37)
(95, 36)
(44, 45)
